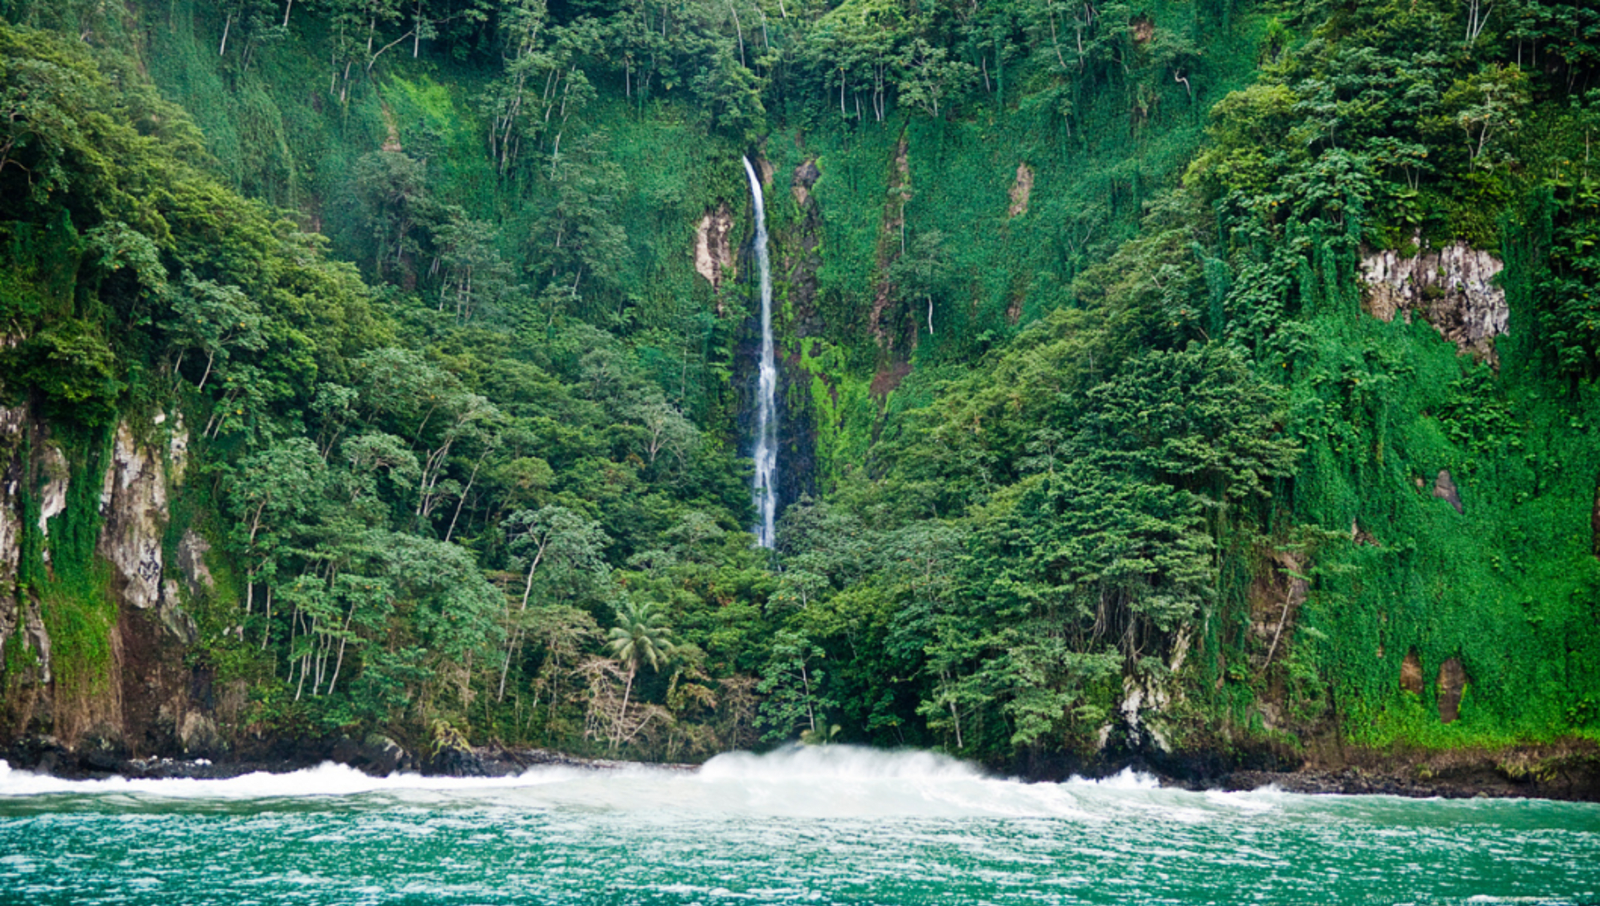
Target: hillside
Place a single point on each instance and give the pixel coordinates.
(1203, 382)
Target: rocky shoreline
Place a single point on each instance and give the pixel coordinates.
(1568, 770)
(1565, 771)
(376, 755)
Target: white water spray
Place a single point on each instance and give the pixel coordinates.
(833, 781)
(766, 450)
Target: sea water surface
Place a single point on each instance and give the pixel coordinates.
(816, 825)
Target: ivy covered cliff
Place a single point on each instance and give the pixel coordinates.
(1200, 379)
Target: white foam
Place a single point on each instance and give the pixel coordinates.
(810, 782)
(326, 779)
(1125, 779)
(849, 763)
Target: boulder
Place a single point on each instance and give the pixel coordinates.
(377, 755)
(383, 755)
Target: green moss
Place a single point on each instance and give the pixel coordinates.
(79, 616)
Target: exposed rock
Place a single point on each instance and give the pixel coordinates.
(1411, 673)
(1360, 536)
(797, 258)
(1449, 686)
(53, 496)
(1275, 598)
(36, 637)
(384, 756)
(192, 551)
(1021, 189)
(805, 176)
(887, 380)
(178, 622)
(177, 449)
(1444, 488)
(134, 504)
(1449, 288)
(893, 236)
(713, 250)
(12, 423)
(796, 249)
(454, 762)
(26, 703)
(198, 735)
(377, 755)
(158, 691)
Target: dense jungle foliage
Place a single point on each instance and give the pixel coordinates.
(1077, 374)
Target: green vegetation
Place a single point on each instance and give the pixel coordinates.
(1105, 448)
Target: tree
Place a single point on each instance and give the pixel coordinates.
(395, 188)
(928, 77)
(213, 320)
(473, 275)
(640, 638)
(792, 682)
(1487, 106)
(731, 95)
(567, 545)
(922, 270)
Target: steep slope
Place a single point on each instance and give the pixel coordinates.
(1189, 381)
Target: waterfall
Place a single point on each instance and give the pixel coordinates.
(766, 449)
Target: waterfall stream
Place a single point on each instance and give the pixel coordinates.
(766, 448)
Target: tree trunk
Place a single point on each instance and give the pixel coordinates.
(627, 691)
(416, 32)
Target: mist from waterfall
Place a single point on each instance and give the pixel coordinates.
(766, 447)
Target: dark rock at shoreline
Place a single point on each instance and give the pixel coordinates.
(377, 755)
(1569, 770)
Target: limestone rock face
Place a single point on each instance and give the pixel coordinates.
(1449, 288)
(155, 701)
(133, 502)
(713, 249)
(53, 496)
(25, 694)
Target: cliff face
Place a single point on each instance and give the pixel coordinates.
(93, 622)
(1452, 288)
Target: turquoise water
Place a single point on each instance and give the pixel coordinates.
(826, 825)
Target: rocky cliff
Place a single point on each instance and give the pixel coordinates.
(1452, 288)
(98, 581)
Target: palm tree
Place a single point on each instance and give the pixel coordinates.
(641, 636)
